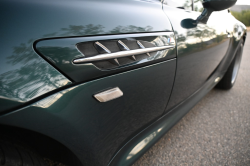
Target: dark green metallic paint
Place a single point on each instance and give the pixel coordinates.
(106, 133)
(95, 131)
(26, 21)
(200, 49)
(138, 145)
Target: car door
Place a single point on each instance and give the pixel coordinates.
(67, 32)
(200, 49)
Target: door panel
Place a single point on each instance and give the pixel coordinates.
(200, 49)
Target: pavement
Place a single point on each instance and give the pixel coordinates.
(215, 132)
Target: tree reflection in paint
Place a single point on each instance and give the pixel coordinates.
(78, 30)
(35, 77)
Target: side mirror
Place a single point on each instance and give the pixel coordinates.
(213, 5)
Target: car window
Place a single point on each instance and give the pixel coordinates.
(198, 5)
(185, 4)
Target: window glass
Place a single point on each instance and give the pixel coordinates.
(186, 4)
(198, 5)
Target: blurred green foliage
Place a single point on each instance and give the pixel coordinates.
(243, 16)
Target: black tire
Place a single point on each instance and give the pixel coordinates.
(229, 79)
(12, 154)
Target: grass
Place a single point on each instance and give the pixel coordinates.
(243, 16)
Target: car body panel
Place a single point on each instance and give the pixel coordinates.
(200, 49)
(34, 19)
(138, 145)
(121, 130)
(95, 131)
(146, 138)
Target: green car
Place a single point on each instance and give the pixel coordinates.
(99, 82)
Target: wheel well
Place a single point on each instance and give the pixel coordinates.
(43, 145)
(244, 38)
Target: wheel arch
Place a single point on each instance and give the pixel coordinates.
(244, 38)
(42, 144)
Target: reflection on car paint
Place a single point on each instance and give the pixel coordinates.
(18, 57)
(200, 49)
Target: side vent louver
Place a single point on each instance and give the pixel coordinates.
(103, 50)
(112, 54)
(85, 58)
(123, 47)
(139, 43)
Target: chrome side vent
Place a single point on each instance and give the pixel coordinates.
(123, 47)
(123, 52)
(90, 57)
(139, 43)
(103, 50)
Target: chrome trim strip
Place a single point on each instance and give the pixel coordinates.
(103, 50)
(142, 46)
(120, 54)
(108, 95)
(123, 47)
